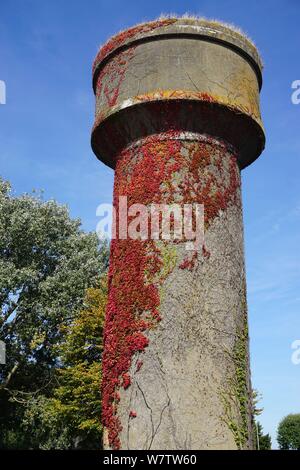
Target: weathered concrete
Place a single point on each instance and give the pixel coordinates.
(177, 109)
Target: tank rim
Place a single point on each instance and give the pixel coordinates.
(211, 31)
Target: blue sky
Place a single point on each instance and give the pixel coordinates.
(46, 51)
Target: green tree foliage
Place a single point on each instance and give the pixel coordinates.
(46, 265)
(70, 418)
(264, 440)
(288, 434)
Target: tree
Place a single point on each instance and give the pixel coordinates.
(70, 418)
(264, 440)
(288, 434)
(261, 441)
(46, 264)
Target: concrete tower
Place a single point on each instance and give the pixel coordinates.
(177, 118)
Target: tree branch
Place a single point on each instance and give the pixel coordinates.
(9, 376)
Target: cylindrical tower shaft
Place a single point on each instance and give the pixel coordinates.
(177, 117)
